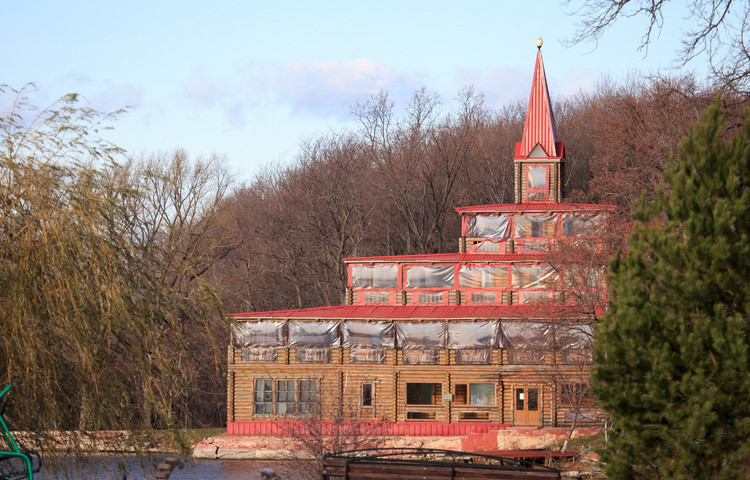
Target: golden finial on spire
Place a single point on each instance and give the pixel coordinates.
(539, 42)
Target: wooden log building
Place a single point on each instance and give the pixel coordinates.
(458, 341)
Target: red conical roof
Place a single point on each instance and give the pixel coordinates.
(540, 124)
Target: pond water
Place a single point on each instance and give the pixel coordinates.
(133, 468)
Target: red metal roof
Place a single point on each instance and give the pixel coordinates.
(419, 312)
(547, 207)
(454, 258)
(539, 127)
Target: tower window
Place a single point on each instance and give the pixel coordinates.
(537, 182)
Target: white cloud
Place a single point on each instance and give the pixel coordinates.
(331, 87)
(323, 89)
(206, 92)
(500, 86)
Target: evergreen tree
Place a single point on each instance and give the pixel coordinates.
(672, 359)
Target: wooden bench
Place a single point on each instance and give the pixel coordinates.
(416, 464)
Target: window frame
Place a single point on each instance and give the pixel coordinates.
(364, 396)
(309, 406)
(467, 394)
(435, 394)
(288, 402)
(299, 406)
(263, 393)
(544, 190)
(423, 411)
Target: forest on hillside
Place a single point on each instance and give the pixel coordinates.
(116, 272)
(389, 185)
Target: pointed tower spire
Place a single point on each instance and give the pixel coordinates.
(539, 128)
(539, 157)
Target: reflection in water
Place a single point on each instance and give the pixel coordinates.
(132, 468)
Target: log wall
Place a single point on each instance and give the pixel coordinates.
(341, 385)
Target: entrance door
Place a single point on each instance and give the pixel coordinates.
(526, 406)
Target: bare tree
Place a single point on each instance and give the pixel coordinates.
(718, 28)
(489, 177)
(337, 199)
(635, 127)
(422, 160)
(327, 428)
(93, 338)
(580, 260)
(181, 206)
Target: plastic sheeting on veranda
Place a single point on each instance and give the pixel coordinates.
(584, 224)
(369, 334)
(314, 334)
(473, 334)
(489, 226)
(548, 336)
(259, 333)
(574, 335)
(433, 276)
(482, 276)
(534, 276)
(375, 276)
(420, 334)
(535, 225)
(529, 335)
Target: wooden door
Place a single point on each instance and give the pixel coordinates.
(526, 405)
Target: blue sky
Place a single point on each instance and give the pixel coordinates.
(250, 80)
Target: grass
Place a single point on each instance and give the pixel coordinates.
(587, 468)
(586, 444)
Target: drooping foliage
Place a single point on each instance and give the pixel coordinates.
(167, 225)
(93, 333)
(672, 361)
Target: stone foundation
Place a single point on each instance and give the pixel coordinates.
(276, 447)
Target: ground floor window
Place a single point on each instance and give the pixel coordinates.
(423, 393)
(263, 397)
(474, 394)
(367, 394)
(285, 397)
(308, 396)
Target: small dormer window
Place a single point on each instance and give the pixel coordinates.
(537, 182)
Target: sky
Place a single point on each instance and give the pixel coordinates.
(252, 80)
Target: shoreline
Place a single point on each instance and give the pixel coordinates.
(278, 447)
